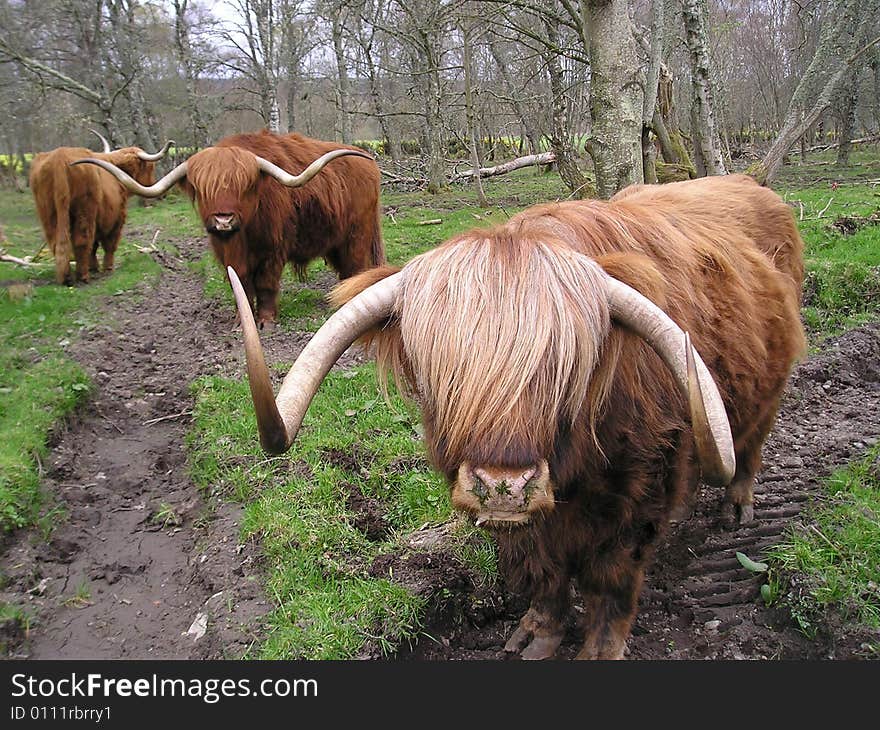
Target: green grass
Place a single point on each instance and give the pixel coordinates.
(327, 605)
(831, 560)
(842, 286)
(39, 383)
(13, 619)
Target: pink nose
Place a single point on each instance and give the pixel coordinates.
(507, 485)
(223, 221)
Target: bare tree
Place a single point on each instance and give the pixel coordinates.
(190, 67)
(706, 138)
(466, 27)
(843, 42)
(256, 38)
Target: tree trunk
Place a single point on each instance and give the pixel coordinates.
(343, 125)
(845, 108)
(671, 142)
(843, 35)
(652, 79)
(560, 134)
(707, 142)
(525, 118)
(198, 127)
(616, 97)
(476, 159)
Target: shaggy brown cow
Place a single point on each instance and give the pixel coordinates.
(560, 393)
(81, 208)
(258, 222)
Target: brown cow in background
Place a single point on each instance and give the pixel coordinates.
(562, 398)
(81, 208)
(259, 216)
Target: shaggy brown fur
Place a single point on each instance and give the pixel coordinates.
(335, 215)
(82, 207)
(502, 336)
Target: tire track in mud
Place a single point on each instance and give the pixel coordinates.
(829, 416)
(143, 565)
(698, 601)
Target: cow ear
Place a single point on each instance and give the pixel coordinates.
(187, 188)
(636, 271)
(384, 341)
(351, 287)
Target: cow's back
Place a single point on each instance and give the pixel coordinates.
(755, 211)
(721, 256)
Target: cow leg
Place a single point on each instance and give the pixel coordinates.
(738, 507)
(610, 612)
(83, 240)
(267, 284)
(93, 259)
(62, 263)
(110, 244)
(545, 580)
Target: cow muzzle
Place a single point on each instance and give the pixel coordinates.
(501, 495)
(223, 224)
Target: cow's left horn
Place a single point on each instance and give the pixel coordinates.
(107, 147)
(711, 428)
(294, 181)
(279, 419)
(148, 157)
(153, 191)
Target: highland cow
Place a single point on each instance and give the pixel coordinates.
(81, 208)
(259, 217)
(579, 369)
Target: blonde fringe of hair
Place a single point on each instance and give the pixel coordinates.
(222, 168)
(500, 339)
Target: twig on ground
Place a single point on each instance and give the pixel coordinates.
(167, 418)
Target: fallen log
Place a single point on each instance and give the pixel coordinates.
(14, 259)
(544, 158)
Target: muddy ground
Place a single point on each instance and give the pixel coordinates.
(146, 566)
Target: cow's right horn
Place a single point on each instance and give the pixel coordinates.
(295, 181)
(153, 191)
(711, 429)
(279, 418)
(107, 147)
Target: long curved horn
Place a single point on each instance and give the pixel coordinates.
(103, 139)
(294, 181)
(154, 191)
(711, 428)
(147, 157)
(279, 418)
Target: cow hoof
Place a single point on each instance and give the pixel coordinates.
(592, 654)
(735, 515)
(542, 647)
(267, 326)
(536, 637)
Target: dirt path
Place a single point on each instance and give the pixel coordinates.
(144, 566)
(698, 601)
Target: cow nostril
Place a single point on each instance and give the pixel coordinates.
(479, 489)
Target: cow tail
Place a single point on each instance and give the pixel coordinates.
(60, 242)
(377, 247)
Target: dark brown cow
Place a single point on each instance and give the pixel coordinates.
(560, 393)
(81, 208)
(259, 217)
